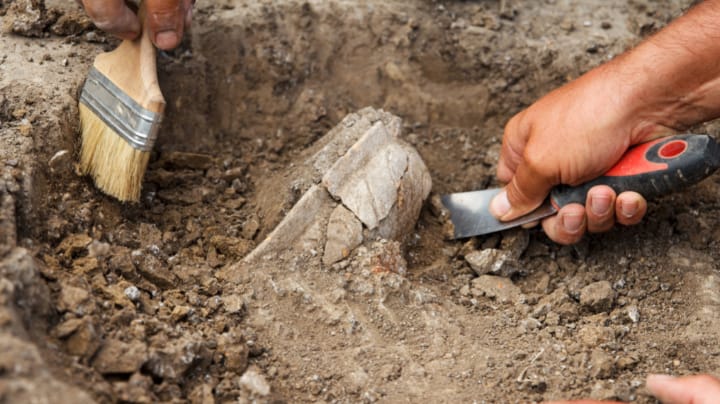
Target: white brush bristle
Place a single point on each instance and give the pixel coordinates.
(116, 166)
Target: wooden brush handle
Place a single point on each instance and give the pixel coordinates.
(133, 68)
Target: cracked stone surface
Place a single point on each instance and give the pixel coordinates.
(362, 183)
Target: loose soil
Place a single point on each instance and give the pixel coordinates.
(106, 302)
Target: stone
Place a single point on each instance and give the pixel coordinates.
(233, 303)
(74, 244)
(627, 362)
(495, 287)
(366, 177)
(314, 203)
(597, 297)
(236, 357)
(592, 336)
(254, 382)
(21, 274)
(344, 234)
(67, 327)
(360, 163)
(84, 340)
(172, 359)
(202, 394)
(118, 357)
(250, 227)
(558, 302)
(633, 314)
(492, 261)
(604, 390)
(73, 299)
(152, 269)
(601, 364)
(515, 242)
(179, 313)
(132, 293)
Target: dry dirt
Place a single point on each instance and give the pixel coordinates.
(106, 302)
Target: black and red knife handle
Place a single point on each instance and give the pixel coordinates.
(652, 169)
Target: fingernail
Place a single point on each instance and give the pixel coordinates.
(629, 209)
(600, 204)
(500, 205)
(654, 380)
(166, 39)
(572, 222)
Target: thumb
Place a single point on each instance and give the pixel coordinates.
(165, 20)
(702, 389)
(525, 192)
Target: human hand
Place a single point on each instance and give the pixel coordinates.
(576, 133)
(572, 135)
(700, 389)
(166, 19)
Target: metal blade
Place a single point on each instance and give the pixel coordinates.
(470, 214)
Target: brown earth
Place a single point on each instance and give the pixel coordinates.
(106, 302)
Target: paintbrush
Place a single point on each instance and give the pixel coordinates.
(121, 107)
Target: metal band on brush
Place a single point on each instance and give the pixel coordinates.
(137, 125)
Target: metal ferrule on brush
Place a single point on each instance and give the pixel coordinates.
(137, 125)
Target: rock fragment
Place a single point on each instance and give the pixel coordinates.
(601, 364)
(495, 287)
(633, 314)
(492, 261)
(118, 357)
(152, 269)
(344, 233)
(254, 382)
(597, 297)
(73, 299)
(362, 164)
(84, 340)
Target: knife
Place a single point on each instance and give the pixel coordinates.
(652, 169)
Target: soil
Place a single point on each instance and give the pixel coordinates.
(106, 302)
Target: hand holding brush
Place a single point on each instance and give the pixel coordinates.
(121, 107)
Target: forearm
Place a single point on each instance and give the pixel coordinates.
(673, 78)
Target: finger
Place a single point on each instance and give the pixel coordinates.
(600, 209)
(514, 140)
(165, 20)
(525, 192)
(568, 226)
(630, 208)
(701, 389)
(113, 16)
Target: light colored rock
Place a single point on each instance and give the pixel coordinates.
(597, 297)
(495, 287)
(492, 261)
(314, 203)
(380, 181)
(601, 364)
(254, 382)
(118, 357)
(344, 233)
(366, 178)
(73, 299)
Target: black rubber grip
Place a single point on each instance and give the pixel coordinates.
(652, 169)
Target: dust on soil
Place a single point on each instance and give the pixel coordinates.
(142, 303)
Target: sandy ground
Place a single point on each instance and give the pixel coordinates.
(106, 302)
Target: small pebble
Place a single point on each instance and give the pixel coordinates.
(133, 293)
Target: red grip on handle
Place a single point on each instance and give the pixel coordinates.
(635, 161)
